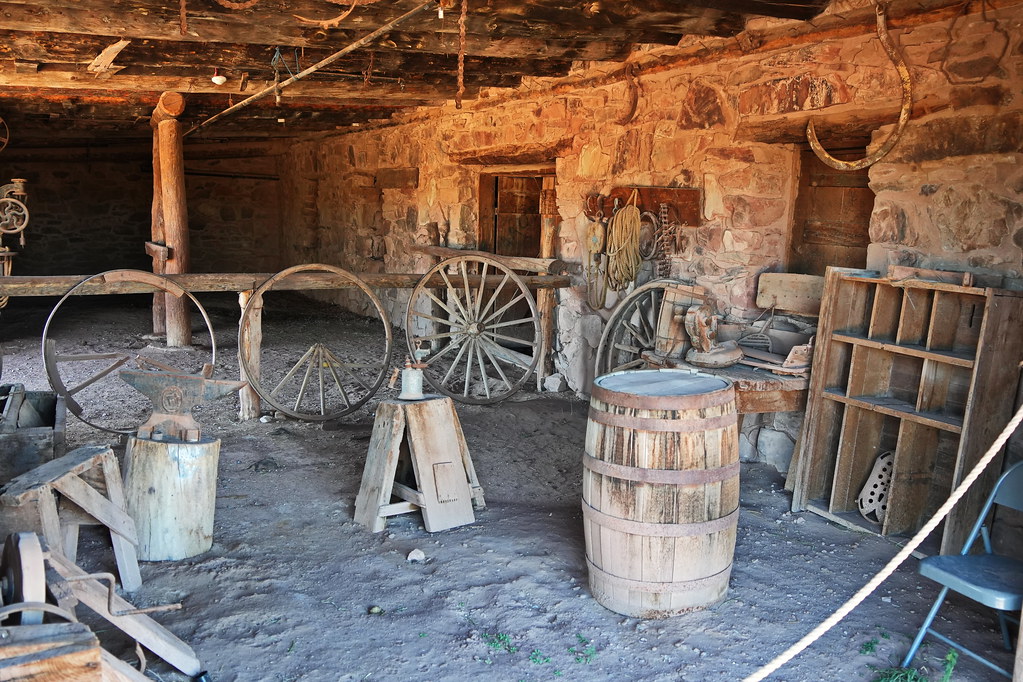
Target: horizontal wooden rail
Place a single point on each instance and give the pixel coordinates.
(58, 285)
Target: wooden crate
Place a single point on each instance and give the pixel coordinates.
(32, 425)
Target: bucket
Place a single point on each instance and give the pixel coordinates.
(660, 491)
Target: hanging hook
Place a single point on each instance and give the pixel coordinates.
(904, 113)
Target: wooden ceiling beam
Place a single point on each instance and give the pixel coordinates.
(375, 92)
(159, 20)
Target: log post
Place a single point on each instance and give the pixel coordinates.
(248, 348)
(549, 220)
(159, 309)
(171, 491)
(175, 211)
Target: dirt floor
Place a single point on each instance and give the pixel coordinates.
(293, 589)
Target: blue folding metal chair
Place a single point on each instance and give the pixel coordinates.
(990, 579)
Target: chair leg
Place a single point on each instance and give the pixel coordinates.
(923, 628)
(1004, 622)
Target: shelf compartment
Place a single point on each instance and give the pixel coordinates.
(878, 373)
(886, 313)
(958, 359)
(899, 409)
(836, 374)
(956, 322)
(944, 389)
(857, 302)
(865, 435)
(922, 476)
(915, 319)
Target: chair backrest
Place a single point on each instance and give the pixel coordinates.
(1008, 492)
(1009, 489)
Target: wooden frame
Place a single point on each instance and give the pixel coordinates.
(926, 369)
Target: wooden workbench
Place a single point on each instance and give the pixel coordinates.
(756, 390)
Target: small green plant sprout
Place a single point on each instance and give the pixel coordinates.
(536, 656)
(897, 675)
(585, 652)
(951, 658)
(499, 642)
(869, 647)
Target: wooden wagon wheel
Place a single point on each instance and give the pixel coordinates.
(332, 377)
(632, 329)
(86, 372)
(5, 134)
(482, 344)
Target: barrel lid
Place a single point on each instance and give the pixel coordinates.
(661, 382)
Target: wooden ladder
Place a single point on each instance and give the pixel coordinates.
(426, 437)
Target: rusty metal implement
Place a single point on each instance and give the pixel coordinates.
(904, 113)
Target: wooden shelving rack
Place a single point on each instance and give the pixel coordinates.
(928, 370)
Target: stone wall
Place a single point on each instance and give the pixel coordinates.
(724, 116)
(91, 216)
(84, 217)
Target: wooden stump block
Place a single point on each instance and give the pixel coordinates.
(171, 490)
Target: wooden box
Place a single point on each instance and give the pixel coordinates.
(32, 425)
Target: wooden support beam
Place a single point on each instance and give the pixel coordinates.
(174, 208)
(549, 222)
(58, 285)
(543, 265)
(248, 348)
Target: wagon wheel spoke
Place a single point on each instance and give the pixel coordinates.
(454, 364)
(454, 316)
(293, 371)
(493, 361)
(475, 351)
(99, 375)
(505, 307)
(453, 295)
(346, 367)
(493, 297)
(305, 380)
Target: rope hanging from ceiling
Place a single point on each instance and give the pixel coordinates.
(461, 54)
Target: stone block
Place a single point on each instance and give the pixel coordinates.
(795, 93)
(701, 109)
(555, 383)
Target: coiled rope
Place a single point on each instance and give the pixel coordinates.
(903, 554)
(623, 259)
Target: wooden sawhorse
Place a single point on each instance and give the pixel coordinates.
(426, 436)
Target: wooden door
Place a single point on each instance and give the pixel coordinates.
(831, 218)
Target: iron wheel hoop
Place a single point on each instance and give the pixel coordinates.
(5, 134)
(328, 358)
(51, 359)
(474, 325)
(632, 329)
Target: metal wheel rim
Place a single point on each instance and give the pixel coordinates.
(475, 315)
(616, 324)
(50, 362)
(5, 134)
(24, 574)
(268, 395)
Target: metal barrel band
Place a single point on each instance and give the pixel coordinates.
(666, 530)
(663, 425)
(664, 476)
(674, 587)
(722, 396)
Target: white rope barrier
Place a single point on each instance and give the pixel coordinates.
(890, 567)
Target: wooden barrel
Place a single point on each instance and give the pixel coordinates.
(660, 491)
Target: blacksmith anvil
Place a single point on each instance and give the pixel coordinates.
(173, 395)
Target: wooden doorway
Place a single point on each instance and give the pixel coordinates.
(509, 222)
(831, 217)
